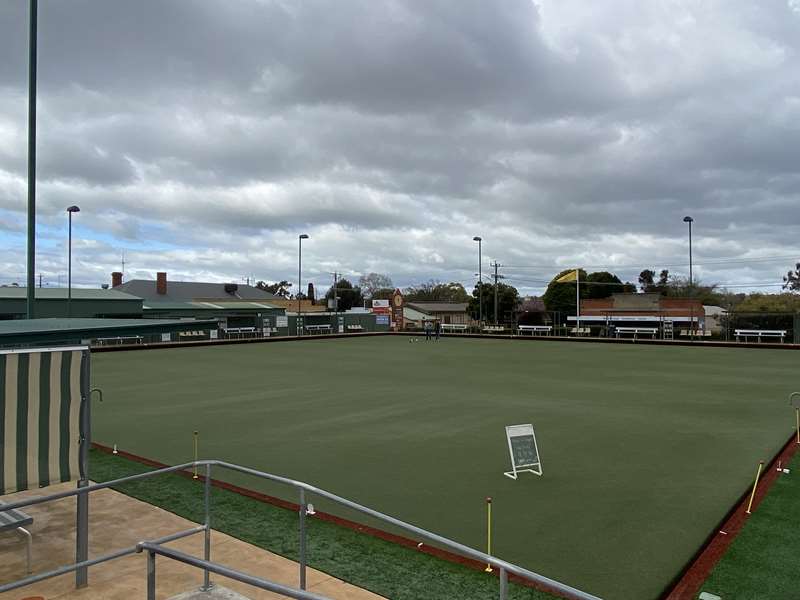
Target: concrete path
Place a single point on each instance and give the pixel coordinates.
(118, 521)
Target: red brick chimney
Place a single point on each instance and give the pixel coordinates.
(161, 283)
(116, 279)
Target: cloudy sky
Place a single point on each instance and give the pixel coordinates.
(200, 137)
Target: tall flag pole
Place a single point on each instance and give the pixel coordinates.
(578, 298)
(576, 277)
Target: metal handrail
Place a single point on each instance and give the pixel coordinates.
(208, 566)
(504, 567)
(94, 561)
(457, 547)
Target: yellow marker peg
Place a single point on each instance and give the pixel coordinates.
(194, 475)
(488, 568)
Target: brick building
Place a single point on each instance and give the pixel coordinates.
(640, 309)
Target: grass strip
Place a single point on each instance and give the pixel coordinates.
(761, 563)
(382, 567)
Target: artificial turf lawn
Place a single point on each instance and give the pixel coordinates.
(385, 568)
(644, 448)
(762, 562)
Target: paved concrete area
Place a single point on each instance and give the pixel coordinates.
(118, 521)
(217, 593)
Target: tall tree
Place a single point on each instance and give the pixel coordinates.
(435, 291)
(663, 281)
(757, 302)
(647, 280)
(507, 301)
(560, 296)
(349, 295)
(383, 294)
(791, 281)
(372, 282)
(648, 283)
(678, 287)
(603, 284)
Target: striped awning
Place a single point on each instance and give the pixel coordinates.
(42, 395)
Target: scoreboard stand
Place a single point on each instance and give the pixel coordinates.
(523, 450)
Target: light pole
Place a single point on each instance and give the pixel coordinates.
(32, 51)
(303, 236)
(70, 210)
(689, 220)
(480, 286)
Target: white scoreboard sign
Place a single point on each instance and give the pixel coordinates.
(523, 450)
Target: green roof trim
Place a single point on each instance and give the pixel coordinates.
(62, 293)
(209, 305)
(40, 326)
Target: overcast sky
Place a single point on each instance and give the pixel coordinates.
(201, 137)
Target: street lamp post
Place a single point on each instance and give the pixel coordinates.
(689, 220)
(70, 210)
(32, 58)
(300, 239)
(480, 286)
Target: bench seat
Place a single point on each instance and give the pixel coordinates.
(16, 520)
(759, 333)
(535, 329)
(651, 331)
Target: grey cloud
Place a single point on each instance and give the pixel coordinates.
(202, 135)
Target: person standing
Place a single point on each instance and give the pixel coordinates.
(438, 329)
(427, 330)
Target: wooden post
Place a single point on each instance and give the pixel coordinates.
(755, 485)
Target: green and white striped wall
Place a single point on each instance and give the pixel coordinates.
(42, 395)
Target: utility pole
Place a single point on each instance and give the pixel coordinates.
(495, 264)
(335, 300)
(335, 293)
(40, 280)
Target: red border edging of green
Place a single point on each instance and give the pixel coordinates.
(323, 516)
(697, 570)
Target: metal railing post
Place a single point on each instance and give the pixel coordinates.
(503, 584)
(82, 535)
(151, 575)
(302, 539)
(207, 585)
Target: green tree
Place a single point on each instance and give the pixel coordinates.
(785, 302)
(507, 302)
(647, 280)
(603, 284)
(649, 285)
(348, 294)
(791, 281)
(382, 294)
(678, 287)
(663, 282)
(435, 291)
(560, 297)
(372, 282)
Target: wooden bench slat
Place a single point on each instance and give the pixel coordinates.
(13, 519)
